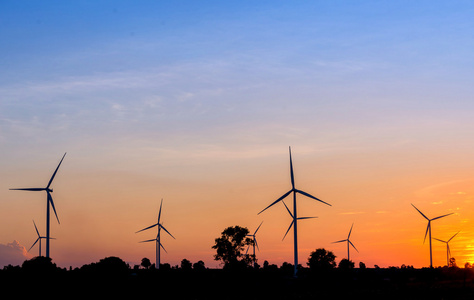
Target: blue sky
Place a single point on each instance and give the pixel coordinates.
(211, 90)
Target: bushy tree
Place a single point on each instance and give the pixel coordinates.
(186, 264)
(346, 264)
(321, 260)
(230, 247)
(146, 263)
(199, 265)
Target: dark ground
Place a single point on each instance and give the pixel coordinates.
(392, 283)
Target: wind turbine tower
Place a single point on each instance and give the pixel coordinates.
(448, 251)
(158, 237)
(428, 230)
(348, 243)
(49, 203)
(254, 237)
(295, 191)
(38, 239)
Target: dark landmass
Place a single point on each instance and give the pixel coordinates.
(111, 277)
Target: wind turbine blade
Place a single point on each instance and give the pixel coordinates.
(449, 250)
(152, 240)
(247, 251)
(257, 228)
(50, 199)
(256, 244)
(288, 209)
(288, 229)
(159, 213)
(440, 240)
(339, 241)
(349, 235)
(441, 216)
(311, 196)
(161, 245)
(34, 244)
(304, 218)
(54, 174)
(291, 172)
(279, 199)
(28, 189)
(453, 236)
(37, 232)
(420, 212)
(426, 233)
(353, 246)
(147, 228)
(167, 231)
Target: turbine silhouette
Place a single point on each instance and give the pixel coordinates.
(294, 190)
(254, 237)
(38, 239)
(49, 203)
(158, 237)
(428, 229)
(448, 251)
(348, 243)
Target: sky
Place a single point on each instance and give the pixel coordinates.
(198, 102)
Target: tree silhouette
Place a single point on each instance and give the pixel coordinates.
(199, 265)
(146, 263)
(186, 264)
(346, 264)
(321, 260)
(39, 264)
(230, 247)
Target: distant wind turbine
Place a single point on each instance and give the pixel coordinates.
(49, 202)
(448, 251)
(348, 243)
(158, 237)
(428, 229)
(294, 190)
(38, 239)
(254, 237)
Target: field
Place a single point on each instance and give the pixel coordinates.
(383, 283)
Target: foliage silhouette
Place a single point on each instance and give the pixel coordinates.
(199, 266)
(186, 265)
(321, 260)
(39, 264)
(230, 248)
(146, 263)
(346, 264)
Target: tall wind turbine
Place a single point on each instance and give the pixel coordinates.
(428, 229)
(38, 239)
(294, 190)
(254, 237)
(348, 243)
(448, 251)
(158, 237)
(49, 202)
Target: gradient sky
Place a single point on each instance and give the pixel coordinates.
(197, 102)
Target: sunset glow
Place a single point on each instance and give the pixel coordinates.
(197, 103)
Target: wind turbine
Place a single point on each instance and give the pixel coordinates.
(49, 202)
(294, 190)
(38, 239)
(348, 243)
(254, 237)
(158, 237)
(293, 221)
(448, 251)
(428, 229)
